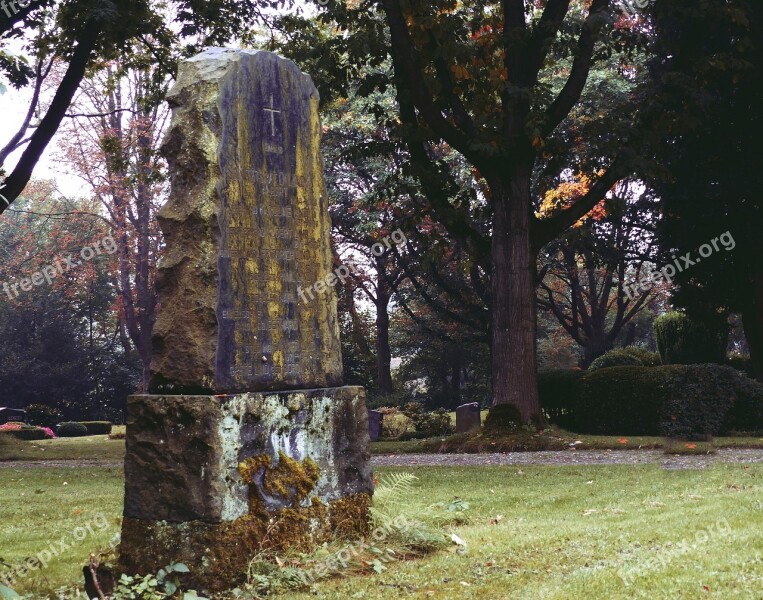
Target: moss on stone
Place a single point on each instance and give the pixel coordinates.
(290, 480)
(218, 554)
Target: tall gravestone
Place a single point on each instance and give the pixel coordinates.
(245, 443)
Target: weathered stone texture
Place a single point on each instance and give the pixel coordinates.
(468, 418)
(246, 226)
(184, 452)
(375, 420)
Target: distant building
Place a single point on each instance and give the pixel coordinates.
(8, 415)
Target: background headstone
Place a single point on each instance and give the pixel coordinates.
(246, 228)
(468, 417)
(375, 419)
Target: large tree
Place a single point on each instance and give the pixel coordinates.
(58, 317)
(491, 81)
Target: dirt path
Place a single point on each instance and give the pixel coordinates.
(570, 458)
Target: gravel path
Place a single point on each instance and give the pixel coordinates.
(555, 458)
(570, 458)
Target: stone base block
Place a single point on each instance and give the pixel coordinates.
(212, 480)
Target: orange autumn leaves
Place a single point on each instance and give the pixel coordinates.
(566, 194)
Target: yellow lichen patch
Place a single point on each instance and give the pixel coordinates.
(290, 480)
(251, 466)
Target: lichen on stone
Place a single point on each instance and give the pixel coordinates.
(290, 480)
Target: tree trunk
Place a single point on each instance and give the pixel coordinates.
(752, 319)
(383, 352)
(513, 318)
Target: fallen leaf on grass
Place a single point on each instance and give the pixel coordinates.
(622, 441)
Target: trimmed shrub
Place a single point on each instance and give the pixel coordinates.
(747, 412)
(682, 341)
(622, 400)
(615, 358)
(503, 418)
(43, 415)
(98, 427)
(394, 422)
(647, 357)
(71, 430)
(30, 434)
(698, 402)
(681, 401)
(22, 431)
(630, 356)
(559, 391)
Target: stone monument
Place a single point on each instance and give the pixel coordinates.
(246, 442)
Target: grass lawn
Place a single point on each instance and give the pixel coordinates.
(42, 508)
(542, 532)
(93, 447)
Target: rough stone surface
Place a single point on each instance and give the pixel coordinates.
(374, 424)
(218, 554)
(468, 417)
(246, 229)
(184, 453)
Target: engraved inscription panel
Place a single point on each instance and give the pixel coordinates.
(273, 240)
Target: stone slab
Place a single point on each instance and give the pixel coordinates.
(184, 452)
(468, 418)
(247, 233)
(210, 481)
(375, 419)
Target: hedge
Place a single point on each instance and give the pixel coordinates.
(559, 392)
(26, 433)
(30, 434)
(688, 401)
(698, 402)
(622, 400)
